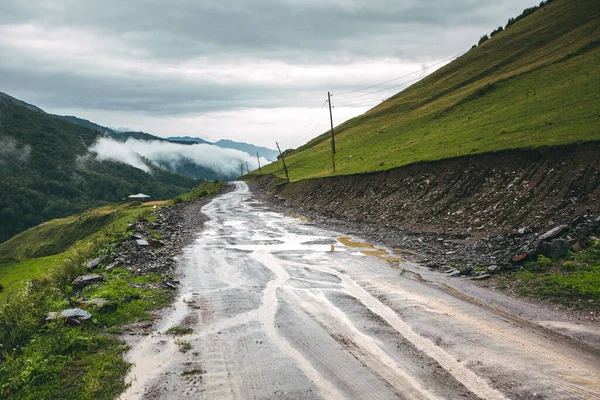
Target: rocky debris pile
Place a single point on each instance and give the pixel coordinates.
(558, 241)
(457, 254)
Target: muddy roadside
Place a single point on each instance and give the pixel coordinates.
(176, 227)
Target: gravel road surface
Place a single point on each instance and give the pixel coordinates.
(280, 309)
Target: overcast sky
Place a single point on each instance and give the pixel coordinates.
(254, 71)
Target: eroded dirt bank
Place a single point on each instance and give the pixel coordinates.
(464, 211)
(476, 196)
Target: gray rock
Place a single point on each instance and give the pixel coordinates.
(84, 280)
(137, 236)
(454, 273)
(95, 262)
(73, 316)
(554, 232)
(466, 271)
(111, 266)
(156, 242)
(493, 269)
(481, 277)
(555, 249)
(142, 242)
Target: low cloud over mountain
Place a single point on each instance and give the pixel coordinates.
(225, 162)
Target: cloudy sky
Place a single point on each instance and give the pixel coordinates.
(254, 71)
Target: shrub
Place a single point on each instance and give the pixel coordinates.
(496, 31)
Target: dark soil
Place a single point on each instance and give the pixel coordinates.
(461, 211)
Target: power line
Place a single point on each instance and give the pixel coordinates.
(400, 77)
(308, 133)
(382, 90)
(304, 127)
(361, 103)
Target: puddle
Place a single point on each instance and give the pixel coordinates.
(381, 254)
(346, 241)
(377, 252)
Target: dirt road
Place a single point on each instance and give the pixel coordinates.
(275, 313)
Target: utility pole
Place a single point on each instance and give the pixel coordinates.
(258, 159)
(332, 135)
(247, 169)
(241, 169)
(283, 159)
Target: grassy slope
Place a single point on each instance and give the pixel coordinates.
(534, 84)
(35, 252)
(53, 360)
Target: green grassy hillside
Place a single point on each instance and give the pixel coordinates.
(46, 171)
(537, 83)
(38, 250)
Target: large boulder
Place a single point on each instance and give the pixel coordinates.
(555, 249)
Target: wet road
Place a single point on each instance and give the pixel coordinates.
(275, 313)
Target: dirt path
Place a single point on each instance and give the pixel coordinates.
(275, 313)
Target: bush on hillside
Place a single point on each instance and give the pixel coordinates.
(483, 39)
(496, 31)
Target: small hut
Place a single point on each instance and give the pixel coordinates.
(140, 197)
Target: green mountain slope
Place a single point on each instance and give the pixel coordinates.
(536, 83)
(46, 172)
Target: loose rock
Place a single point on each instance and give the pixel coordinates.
(73, 316)
(555, 249)
(492, 269)
(84, 280)
(554, 232)
(94, 263)
(481, 277)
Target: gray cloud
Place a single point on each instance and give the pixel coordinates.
(224, 161)
(187, 57)
(10, 151)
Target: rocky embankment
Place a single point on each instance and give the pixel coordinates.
(495, 210)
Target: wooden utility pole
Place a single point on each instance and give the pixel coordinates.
(241, 169)
(332, 135)
(283, 159)
(258, 159)
(247, 169)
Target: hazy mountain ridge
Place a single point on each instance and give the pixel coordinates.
(47, 172)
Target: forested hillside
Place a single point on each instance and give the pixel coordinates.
(46, 171)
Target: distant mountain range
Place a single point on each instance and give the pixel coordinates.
(251, 149)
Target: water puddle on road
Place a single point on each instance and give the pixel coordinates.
(366, 249)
